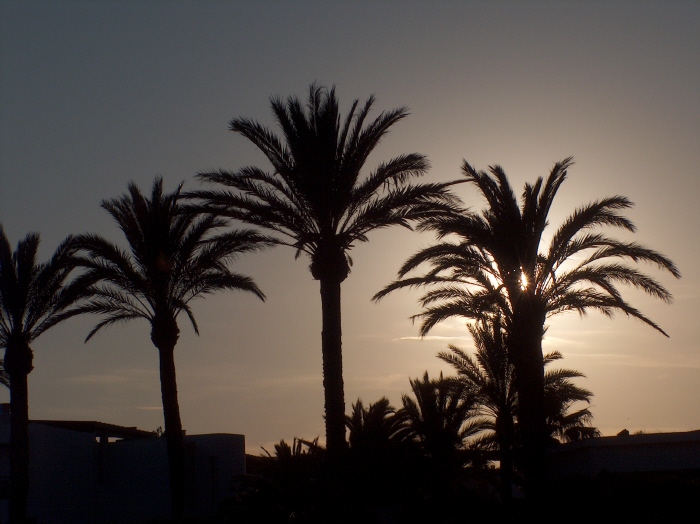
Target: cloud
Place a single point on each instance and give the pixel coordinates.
(432, 337)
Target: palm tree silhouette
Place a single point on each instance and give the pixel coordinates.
(490, 375)
(316, 200)
(376, 428)
(33, 298)
(172, 258)
(495, 266)
(442, 416)
(560, 394)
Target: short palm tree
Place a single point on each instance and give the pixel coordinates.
(442, 416)
(173, 257)
(33, 298)
(375, 428)
(284, 453)
(490, 375)
(560, 395)
(491, 263)
(316, 199)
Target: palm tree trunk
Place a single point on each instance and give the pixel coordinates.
(165, 338)
(529, 373)
(173, 432)
(19, 448)
(18, 364)
(504, 426)
(331, 347)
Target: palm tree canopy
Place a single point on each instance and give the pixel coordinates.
(492, 261)
(442, 415)
(375, 426)
(34, 296)
(315, 196)
(489, 375)
(172, 257)
(560, 395)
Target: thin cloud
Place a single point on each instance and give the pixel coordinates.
(430, 337)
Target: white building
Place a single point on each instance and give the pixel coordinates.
(96, 473)
(625, 453)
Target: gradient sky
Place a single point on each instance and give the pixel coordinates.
(95, 94)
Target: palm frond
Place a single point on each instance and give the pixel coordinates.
(175, 254)
(34, 296)
(485, 256)
(316, 197)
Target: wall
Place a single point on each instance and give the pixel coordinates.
(77, 479)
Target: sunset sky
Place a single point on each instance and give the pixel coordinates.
(95, 94)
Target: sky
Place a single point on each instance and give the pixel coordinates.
(96, 94)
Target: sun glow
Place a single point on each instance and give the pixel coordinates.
(523, 281)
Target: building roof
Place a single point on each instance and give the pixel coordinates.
(626, 439)
(99, 429)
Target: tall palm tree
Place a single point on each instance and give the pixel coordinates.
(173, 257)
(491, 263)
(33, 298)
(316, 199)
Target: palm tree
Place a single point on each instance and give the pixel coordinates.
(490, 374)
(495, 266)
(315, 198)
(443, 415)
(374, 429)
(33, 298)
(560, 394)
(299, 448)
(172, 258)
